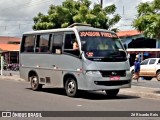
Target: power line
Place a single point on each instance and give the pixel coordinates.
(13, 20)
(20, 26)
(16, 25)
(5, 26)
(26, 5)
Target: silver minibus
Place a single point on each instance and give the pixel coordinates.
(79, 57)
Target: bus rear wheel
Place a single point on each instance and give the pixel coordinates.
(112, 93)
(71, 87)
(35, 83)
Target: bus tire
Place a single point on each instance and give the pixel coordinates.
(112, 93)
(71, 87)
(35, 83)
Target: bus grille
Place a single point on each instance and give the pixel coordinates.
(121, 73)
(112, 83)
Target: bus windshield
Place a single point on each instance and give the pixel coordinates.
(102, 46)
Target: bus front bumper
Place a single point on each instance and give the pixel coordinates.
(97, 82)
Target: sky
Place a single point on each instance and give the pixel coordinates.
(16, 16)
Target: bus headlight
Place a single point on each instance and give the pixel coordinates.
(93, 72)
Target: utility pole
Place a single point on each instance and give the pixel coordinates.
(123, 10)
(102, 3)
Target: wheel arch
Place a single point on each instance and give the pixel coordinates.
(68, 76)
(157, 71)
(31, 73)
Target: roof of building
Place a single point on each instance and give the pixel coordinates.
(7, 39)
(10, 47)
(128, 33)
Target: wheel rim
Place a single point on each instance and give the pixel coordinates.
(71, 87)
(34, 82)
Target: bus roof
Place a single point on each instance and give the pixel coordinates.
(78, 28)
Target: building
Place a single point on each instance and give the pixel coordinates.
(9, 48)
(137, 43)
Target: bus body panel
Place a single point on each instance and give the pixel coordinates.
(50, 65)
(57, 66)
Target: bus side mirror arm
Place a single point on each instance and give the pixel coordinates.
(80, 56)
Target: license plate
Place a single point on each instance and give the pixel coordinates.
(115, 78)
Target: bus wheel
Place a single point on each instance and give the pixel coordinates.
(71, 87)
(35, 83)
(158, 76)
(112, 93)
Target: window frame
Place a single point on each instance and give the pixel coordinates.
(38, 47)
(144, 61)
(151, 61)
(23, 48)
(60, 46)
(71, 50)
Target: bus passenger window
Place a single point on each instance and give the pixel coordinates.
(28, 43)
(68, 42)
(71, 45)
(43, 43)
(57, 43)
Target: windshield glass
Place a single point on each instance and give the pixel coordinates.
(102, 46)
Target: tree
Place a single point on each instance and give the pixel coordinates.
(76, 11)
(148, 19)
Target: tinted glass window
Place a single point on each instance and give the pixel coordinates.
(57, 43)
(71, 45)
(102, 46)
(28, 43)
(43, 43)
(152, 61)
(145, 62)
(69, 40)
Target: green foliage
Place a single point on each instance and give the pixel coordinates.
(148, 19)
(76, 11)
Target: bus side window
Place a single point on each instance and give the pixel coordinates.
(28, 43)
(68, 42)
(57, 43)
(71, 45)
(43, 43)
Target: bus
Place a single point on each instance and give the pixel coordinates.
(48, 57)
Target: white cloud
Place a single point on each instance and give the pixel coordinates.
(16, 16)
(127, 10)
(147, 0)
